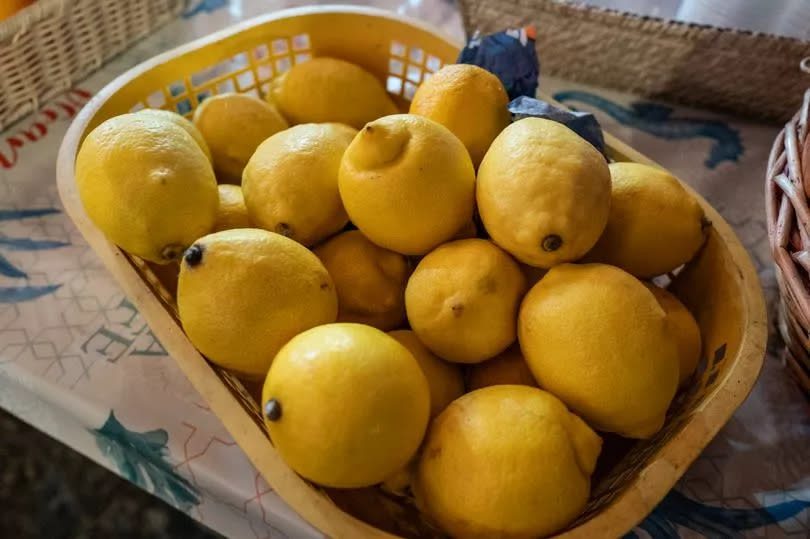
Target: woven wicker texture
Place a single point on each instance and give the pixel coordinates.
(727, 70)
(50, 45)
(787, 190)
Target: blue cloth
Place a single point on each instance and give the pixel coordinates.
(510, 55)
(584, 124)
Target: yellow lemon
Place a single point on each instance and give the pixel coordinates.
(543, 192)
(506, 461)
(244, 293)
(594, 336)
(232, 210)
(654, 225)
(469, 101)
(291, 182)
(462, 300)
(179, 121)
(233, 126)
(346, 405)
(330, 90)
(370, 280)
(445, 380)
(398, 192)
(147, 185)
(685, 328)
(508, 367)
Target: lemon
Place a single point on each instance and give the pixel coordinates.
(346, 405)
(291, 184)
(685, 328)
(146, 185)
(654, 225)
(179, 121)
(232, 210)
(462, 300)
(595, 337)
(469, 101)
(370, 280)
(543, 192)
(398, 192)
(506, 461)
(244, 293)
(445, 380)
(508, 367)
(233, 126)
(330, 90)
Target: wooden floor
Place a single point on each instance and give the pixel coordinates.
(49, 491)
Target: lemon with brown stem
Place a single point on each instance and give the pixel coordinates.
(147, 185)
(543, 192)
(462, 300)
(346, 405)
(243, 293)
(291, 182)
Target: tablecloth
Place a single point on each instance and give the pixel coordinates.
(79, 363)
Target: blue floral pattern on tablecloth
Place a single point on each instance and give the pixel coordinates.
(657, 119)
(140, 457)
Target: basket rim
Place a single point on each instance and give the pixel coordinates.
(619, 516)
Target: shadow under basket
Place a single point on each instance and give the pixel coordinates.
(719, 286)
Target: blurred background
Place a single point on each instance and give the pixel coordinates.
(779, 17)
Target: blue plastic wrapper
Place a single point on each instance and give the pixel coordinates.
(583, 124)
(511, 56)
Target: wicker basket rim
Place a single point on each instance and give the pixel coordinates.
(30, 15)
(727, 38)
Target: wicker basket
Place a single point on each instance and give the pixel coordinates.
(786, 197)
(49, 46)
(720, 286)
(724, 69)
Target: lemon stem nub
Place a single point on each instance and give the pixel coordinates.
(272, 410)
(380, 144)
(193, 254)
(552, 242)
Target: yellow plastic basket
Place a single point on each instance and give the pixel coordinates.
(720, 286)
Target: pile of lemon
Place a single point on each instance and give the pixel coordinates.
(509, 264)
